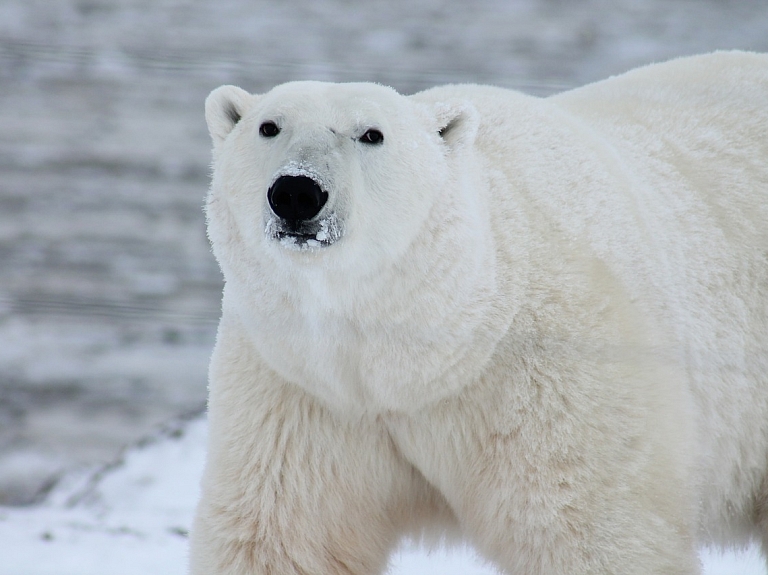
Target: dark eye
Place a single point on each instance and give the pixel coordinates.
(269, 130)
(372, 137)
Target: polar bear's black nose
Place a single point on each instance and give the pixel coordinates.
(296, 198)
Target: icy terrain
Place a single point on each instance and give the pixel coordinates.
(108, 293)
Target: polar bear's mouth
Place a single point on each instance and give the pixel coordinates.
(304, 235)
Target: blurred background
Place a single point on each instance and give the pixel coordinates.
(109, 295)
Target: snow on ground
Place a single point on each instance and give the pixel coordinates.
(132, 517)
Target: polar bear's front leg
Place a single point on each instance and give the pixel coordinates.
(290, 489)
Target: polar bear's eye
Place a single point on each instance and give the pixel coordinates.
(269, 130)
(372, 137)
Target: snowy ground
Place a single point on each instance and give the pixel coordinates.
(132, 517)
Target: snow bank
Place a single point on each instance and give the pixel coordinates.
(130, 517)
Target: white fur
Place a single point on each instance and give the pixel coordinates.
(543, 325)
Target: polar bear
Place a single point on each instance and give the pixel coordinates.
(540, 325)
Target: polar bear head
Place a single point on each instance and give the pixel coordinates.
(349, 224)
(344, 172)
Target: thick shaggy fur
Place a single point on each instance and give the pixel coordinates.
(543, 327)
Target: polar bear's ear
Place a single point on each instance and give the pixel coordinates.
(224, 107)
(457, 122)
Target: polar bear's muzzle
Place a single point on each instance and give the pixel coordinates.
(295, 202)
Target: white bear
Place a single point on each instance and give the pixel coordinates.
(537, 324)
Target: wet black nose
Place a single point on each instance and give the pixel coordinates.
(296, 198)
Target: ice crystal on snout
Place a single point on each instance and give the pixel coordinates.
(330, 229)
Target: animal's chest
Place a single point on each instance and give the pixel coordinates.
(359, 366)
